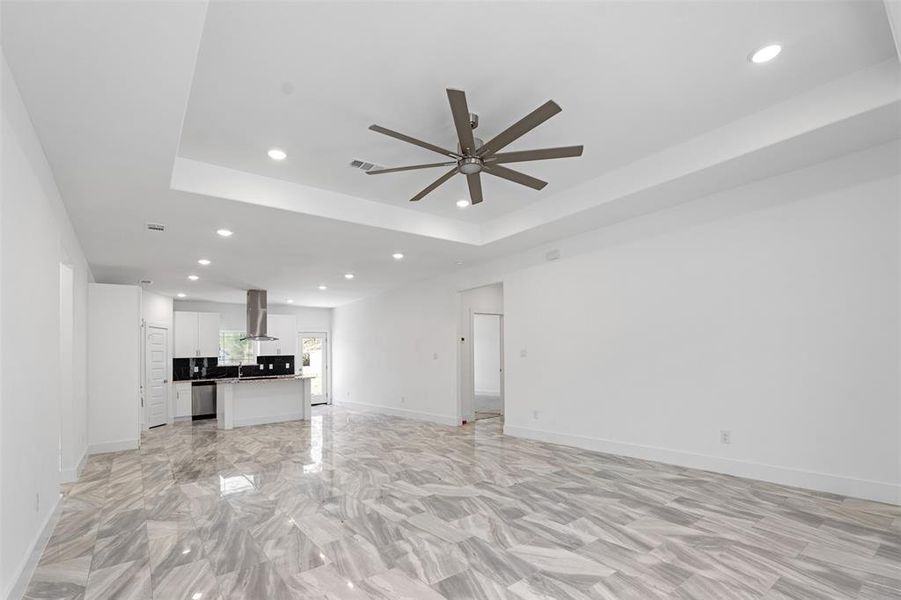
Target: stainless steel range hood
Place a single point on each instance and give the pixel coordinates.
(257, 318)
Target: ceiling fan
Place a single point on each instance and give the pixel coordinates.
(474, 157)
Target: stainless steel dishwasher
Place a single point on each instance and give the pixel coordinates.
(203, 400)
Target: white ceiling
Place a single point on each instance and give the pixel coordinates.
(632, 78)
(660, 94)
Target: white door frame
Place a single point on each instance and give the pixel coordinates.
(472, 362)
(145, 383)
(326, 360)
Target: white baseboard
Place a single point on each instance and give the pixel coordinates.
(402, 412)
(118, 446)
(298, 416)
(68, 475)
(22, 574)
(824, 482)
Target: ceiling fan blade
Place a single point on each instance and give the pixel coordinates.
(411, 168)
(515, 176)
(542, 154)
(520, 128)
(460, 111)
(475, 188)
(414, 141)
(433, 185)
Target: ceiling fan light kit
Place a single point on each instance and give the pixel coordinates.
(474, 157)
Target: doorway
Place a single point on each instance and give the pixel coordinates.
(314, 361)
(488, 365)
(156, 404)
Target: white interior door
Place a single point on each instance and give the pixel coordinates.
(313, 360)
(156, 398)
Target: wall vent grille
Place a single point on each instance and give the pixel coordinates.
(156, 227)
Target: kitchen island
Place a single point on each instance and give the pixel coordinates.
(258, 400)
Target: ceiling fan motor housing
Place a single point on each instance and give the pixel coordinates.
(469, 165)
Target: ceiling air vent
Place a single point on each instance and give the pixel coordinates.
(146, 282)
(156, 227)
(364, 165)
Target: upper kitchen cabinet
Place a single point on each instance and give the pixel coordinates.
(196, 334)
(208, 334)
(284, 327)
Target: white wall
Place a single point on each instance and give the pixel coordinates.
(114, 367)
(397, 353)
(771, 311)
(35, 237)
(486, 341)
(780, 327)
(234, 316)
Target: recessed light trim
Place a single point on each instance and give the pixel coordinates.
(323, 287)
(277, 154)
(348, 276)
(225, 232)
(204, 261)
(462, 203)
(181, 294)
(193, 277)
(398, 256)
(765, 54)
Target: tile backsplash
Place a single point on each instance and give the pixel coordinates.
(269, 365)
(185, 369)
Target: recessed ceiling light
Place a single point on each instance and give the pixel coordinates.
(181, 295)
(289, 301)
(323, 287)
(398, 256)
(277, 154)
(203, 261)
(224, 232)
(193, 277)
(459, 262)
(348, 276)
(765, 54)
(462, 203)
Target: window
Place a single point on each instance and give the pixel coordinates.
(233, 350)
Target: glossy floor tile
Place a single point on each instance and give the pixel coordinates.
(353, 505)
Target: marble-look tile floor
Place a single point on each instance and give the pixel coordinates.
(354, 505)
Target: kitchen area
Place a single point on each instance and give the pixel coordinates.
(249, 376)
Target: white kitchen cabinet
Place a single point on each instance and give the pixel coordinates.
(185, 343)
(284, 327)
(183, 399)
(208, 334)
(196, 334)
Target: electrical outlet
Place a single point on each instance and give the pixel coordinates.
(535, 415)
(523, 353)
(725, 437)
(403, 399)
(435, 356)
